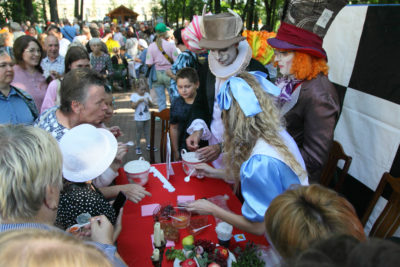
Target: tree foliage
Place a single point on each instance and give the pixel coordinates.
(23, 10)
(174, 12)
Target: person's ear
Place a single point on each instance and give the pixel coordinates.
(76, 106)
(197, 84)
(52, 197)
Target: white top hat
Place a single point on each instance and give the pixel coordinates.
(87, 152)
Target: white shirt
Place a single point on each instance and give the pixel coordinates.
(64, 43)
(142, 112)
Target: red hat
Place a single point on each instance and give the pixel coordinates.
(290, 37)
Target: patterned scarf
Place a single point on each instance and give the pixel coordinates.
(286, 84)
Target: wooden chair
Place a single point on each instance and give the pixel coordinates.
(330, 168)
(389, 220)
(164, 116)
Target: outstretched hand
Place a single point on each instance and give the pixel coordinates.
(135, 192)
(201, 206)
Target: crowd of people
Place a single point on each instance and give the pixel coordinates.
(268, 138)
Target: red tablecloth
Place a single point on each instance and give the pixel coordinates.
(134, 242)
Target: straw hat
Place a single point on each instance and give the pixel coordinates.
(221, 30)
(87, 152)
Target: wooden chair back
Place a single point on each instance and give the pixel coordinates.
(389, 220)
(336, 154)
(164, 129)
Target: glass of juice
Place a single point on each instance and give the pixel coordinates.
(181, 218)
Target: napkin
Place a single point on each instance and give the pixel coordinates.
(169, 242)
(147, 210)
(182, 199)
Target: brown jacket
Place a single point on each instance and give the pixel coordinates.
(311, 123)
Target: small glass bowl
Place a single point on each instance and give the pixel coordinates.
(163, 212)
(197, 222)
(170, 231)
(181, 218)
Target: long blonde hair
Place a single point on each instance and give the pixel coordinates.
(242, 133)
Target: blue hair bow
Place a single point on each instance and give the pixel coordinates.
(244, 94)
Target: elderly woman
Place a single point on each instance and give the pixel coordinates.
(100, 61)
(79, 195)
(16, 105)
(30, 183)
(83, 98)
(76, 57)
(28, 75)
(259, 153)
(162, 54)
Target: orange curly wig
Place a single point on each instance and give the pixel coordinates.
(307, 67)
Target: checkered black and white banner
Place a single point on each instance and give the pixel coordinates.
(363, 47)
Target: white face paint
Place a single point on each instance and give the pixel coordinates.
(225, 56)
(284, 60)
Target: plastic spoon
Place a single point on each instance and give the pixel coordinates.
(176, 218)
(201, 228)
(187, 178)
(130, 143)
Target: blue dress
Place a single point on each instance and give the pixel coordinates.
(265, 175)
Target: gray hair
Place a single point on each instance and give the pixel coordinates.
(74, 87)
(95, 41)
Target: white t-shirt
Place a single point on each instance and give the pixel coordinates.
(142, 112)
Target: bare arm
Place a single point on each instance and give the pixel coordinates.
(206, 170)
(173, 130)
(170, 74)
(206, 207)
(135, 104)
(134, 192)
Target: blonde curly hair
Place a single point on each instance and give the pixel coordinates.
(242, 133)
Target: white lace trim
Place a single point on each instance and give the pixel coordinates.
(240, 64)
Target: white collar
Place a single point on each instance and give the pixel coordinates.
(240, 64)
(58, 58)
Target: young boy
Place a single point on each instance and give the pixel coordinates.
(141, 100)
(187, 82)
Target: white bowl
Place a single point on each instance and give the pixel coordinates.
(137, 171)
(189, 161)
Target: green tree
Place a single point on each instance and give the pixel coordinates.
(12, 10)
(44, 12)
(76, 8)
(217, 6)
(53, 10)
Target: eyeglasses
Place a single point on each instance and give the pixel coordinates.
(33, 51)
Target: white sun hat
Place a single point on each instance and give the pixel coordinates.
(87, 152)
